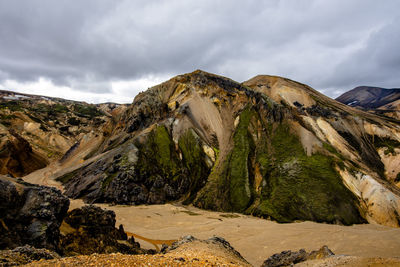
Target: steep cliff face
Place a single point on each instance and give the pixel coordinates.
(36, 130)
(270, 147)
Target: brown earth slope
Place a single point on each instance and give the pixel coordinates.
(37, 130)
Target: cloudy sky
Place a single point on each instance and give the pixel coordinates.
(105, 50)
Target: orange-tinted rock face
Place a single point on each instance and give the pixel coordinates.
(17, 157)
(37, 130)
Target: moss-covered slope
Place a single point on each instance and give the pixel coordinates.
(294, 186)
(300, 187)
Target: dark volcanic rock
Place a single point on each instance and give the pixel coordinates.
(285, 258)
(288, 257)
(156, 176)
(91, 217)
(30, 214)
(93, 231)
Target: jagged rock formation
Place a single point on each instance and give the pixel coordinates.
(270, 147)
(36, 130)
(375, 99)
(91, 229)
(30, 214)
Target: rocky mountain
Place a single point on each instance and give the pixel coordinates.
(378, 100)
(36, 130)
(270, 147)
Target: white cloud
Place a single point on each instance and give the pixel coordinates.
(105, 50)
(121, 91)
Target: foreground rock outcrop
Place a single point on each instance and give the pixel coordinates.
(188, 251)
(215, 246)
(24, 255)
(91, 229)
(30, 214)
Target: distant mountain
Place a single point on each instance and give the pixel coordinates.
(375, 99)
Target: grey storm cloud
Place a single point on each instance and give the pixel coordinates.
(330, 45)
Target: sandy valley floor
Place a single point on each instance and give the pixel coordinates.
(256, 239)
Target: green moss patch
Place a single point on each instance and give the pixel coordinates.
(11, 105)
(301, 187)
(60, 108)
(238, 172)
(107, 181)
(229, 186)
(88, 111)
(6, 119)
(67, 177)
(193, 158)
(158, 157)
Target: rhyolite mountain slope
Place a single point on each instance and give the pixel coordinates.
(378, 100)
(270, 147)
(36, 130)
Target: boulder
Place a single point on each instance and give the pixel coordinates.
(30, 214)
(289, 258)
(91, 229)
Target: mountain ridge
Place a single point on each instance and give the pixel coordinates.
(270, 146)
(221, 145)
